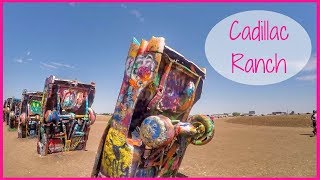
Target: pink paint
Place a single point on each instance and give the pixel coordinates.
(263, 31)
(255, 65)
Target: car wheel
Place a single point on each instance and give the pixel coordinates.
(205, 128)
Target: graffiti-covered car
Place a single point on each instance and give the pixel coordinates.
(30, 112)
(6, 110)
(150, 129)
(66, 115)
(12, 112)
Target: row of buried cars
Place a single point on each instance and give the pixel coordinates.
(59, 116)
(151, 127)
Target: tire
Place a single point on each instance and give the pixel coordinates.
(157, 131)
(11, 120)
(7, 118)
(207, 129)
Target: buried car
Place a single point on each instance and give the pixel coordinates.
(30, 112)
(12, 106)
(66, 115)
(6, 110)
(150, 129)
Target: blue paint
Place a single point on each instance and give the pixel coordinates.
(155, 126)
(189, 90)
(53, 116)
(87, 105)
(117, 117)
(146, 121)
(67, 103)
(77, 130)
(134, 40)
(184, 124)
(145, 172)
(156, 129)
(58, 102)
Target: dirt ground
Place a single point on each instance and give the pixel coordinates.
(303, 120)
(238, 150)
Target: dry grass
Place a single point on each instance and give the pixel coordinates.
(277, 120)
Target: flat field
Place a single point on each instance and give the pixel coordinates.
(269, 146)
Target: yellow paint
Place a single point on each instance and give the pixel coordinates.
(67, 145)
(143, 47)
(156, 44)
(75, 142)
(117, 155)
(110, 165)
(133, 50)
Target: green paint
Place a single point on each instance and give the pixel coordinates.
(156, 80)
(35, 107)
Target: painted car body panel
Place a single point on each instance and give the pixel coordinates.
(150, 128)
(6, 110)
(29, 114)
(11, 111)
(66, 115)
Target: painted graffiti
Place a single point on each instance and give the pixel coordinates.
(72, 99)
(178, 92)
(116, 154)
(35, 107)
(66, 115)
(150, 130)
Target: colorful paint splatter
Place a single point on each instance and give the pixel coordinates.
(150, 129)
(66, 115)
(29, 114)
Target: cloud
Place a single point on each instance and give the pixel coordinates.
(46, 65)
(54, 65)
(123, 6)
(312, 64)
(44, 68)
(309, 71)
(72, 4)
(51, 65)
(19, 60)
(24, 58)
(62, 65)
(137, 14)
(307, 77)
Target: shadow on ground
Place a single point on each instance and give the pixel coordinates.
(181, 175)
(307, 134)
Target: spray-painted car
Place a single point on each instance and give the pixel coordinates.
(6, 110)
(30, 112)
(150, 129)
(12, 112)
(66, 115)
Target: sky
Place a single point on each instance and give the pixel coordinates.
(90, 41)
